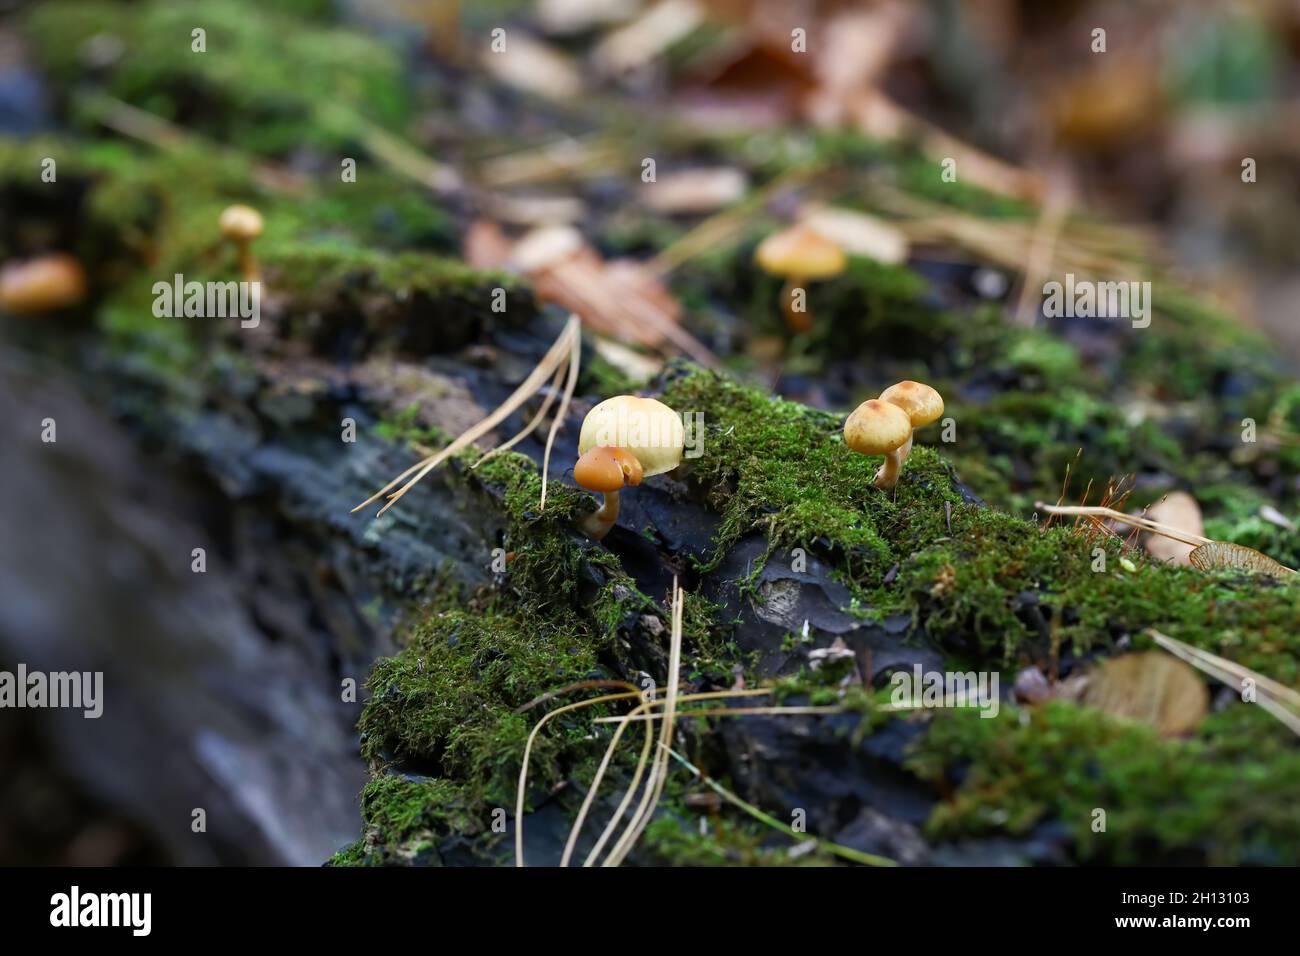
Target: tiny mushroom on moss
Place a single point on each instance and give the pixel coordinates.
(605, 469)
(879, 428)
(44, 284)
(923, 405)
(242, 224)
(799, 255)
(623, 440)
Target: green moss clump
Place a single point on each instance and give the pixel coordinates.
(349, 297)
(672, 839)
(405, 427)
(782, 468)
(1224, 796)
(450, 699)
(921, 176)
(330, 269)
(449, 696)
(999, 582)
(404, 819)
(1063, 431)
(258, 83)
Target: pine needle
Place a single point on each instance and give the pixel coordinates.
(1208, 553)
(1277, 699)
(1146, 524)
(547, 401)
(623, 722)
(568, 344)
(659, 770)
(848, 853)
(724, 712)
(528, 749)
(575, 360)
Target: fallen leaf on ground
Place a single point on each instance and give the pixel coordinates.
(1150, 687)
(1178, 510)
(695, 191)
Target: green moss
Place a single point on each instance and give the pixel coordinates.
(1223, 796)
(922, 176)
(449, 699)
(406, 427)
(258, 83)
(782, 468)
(404, 818)
(999, 581)
(1024, 444)
(335, 269)
(671, 840)
(354, 854)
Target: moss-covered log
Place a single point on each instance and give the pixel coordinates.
(466, 604)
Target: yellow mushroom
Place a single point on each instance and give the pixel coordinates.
(623, 440)
(879, 428)
(799, 255)
(921, 402)
(44, 284)
(605, 469)
(241, 225)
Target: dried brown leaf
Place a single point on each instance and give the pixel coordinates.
(1150, 687)
(1178, 510)
(1224, 555)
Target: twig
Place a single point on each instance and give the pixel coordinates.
(1146, 524)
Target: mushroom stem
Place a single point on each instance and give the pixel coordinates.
(904, 450)
(797, 321)
(597, 524)
(887, 476)
(248, 264)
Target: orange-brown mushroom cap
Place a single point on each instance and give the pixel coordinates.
(921, 402)
(877, 427)
(44, 284)
(800, 252)
(606, 469)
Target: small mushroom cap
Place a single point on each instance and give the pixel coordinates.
(800, 252)
(922, 403)
(647, 428)
(876, 427)
(605, 469)
(240, 222)
(44, 284)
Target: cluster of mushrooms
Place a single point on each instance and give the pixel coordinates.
(884, 426)
(627, 439)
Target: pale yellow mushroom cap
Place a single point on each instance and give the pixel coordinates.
(876, 427)
(921, 402)
(647, 428)
(800, 252)
(243, 223)
(44, 284)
